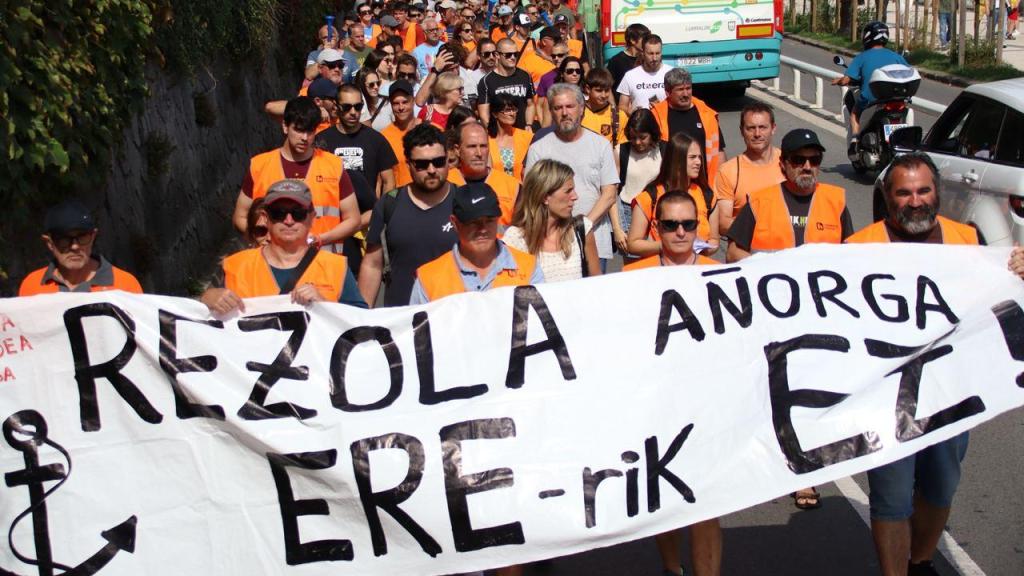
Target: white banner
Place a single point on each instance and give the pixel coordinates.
(142, 437)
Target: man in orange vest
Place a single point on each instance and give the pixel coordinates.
(400, 97)
(474, 153)
(799, 210)
(676, 218)
(479, 261)
(910, 499)
(680, 111)
(287, 264)
(70, 233)
(337, 213)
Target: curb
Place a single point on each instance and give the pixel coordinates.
(946, 78)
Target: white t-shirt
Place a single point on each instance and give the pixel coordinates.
(641, 86)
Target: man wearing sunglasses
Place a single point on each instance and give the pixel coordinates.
(800, 210)
(402, 108)
(361, 149)
(507, 78)
(286, 264)
(337, 213)
(69, 237)
(479, 260)
(370, 28)
(411, 223)
(326, 40)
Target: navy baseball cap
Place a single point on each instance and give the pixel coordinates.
(475, 200)
(322, 88)
(800, 138)
(68, 215)
(400, 86)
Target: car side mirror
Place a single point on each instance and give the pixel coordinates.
(839, 61)
(906, 140)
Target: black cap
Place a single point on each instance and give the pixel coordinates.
(800, 138)
(322, 88)
(561, 19)
(475, 200)
(551, 32)
(67, 216)
(400, 86)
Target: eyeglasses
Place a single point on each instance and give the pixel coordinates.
(358, 107)
(508, 54)
(573, 70)
(63, 242)
(467, 30)
(373, 84)
(673, 225)
(559, 56)
(488, 53)
(799, 160)
(429, 30)
(334, 65)
(278, 214)
(406, 76)
(422, 164)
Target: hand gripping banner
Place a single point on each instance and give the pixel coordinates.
(141, 436)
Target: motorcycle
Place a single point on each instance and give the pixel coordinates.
(893, 86)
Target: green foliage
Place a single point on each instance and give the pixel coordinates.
(72, 75)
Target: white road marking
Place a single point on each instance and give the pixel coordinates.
(950, 550)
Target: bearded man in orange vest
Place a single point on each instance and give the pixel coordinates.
(910, 499)
(287, 264)
(800, 210)
(337, 212)
(680, 111)
(479, 261)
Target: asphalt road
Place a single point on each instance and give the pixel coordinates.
(987, 523)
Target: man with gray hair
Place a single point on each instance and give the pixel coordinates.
(680, 111)
(588, 154)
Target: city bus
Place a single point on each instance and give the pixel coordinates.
(727, 42)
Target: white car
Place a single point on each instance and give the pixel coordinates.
(978, 146)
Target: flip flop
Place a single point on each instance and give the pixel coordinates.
(807, 500)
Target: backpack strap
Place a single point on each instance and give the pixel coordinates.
(624, 151)
(581, 238)
(387, 204)
(615, 126)
(307, 259)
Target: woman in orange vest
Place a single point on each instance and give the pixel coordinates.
(286, 263)
(680, 170)
(508, 143)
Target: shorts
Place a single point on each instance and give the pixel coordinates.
(933, 474)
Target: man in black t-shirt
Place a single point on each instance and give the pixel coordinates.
(798, 211)
(412, 221)
(506, 78)
(361, 149)
(625, 61)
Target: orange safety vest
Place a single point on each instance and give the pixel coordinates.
(654, 261)
(247, 274)
(33, 283)
(953, 232)
(709, 118)
(521, 140)
(575, 47)
(409, 41)
(371, 38)
(505, 186)
(441, 276)
(393, 134)
(323, 179)
(643, 201)
(773, 229)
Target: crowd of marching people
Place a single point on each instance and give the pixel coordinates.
(450, 147)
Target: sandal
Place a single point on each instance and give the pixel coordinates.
(807, 500)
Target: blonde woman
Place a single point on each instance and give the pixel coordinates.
(543, 225)
(445, 89)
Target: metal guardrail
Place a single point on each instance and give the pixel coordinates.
(820, 75)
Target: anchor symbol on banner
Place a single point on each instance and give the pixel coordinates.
(26, 431)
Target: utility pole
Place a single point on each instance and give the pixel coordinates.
(961, 37)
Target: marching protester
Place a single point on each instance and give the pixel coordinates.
(680, 170)
(356, 52)
(680, 111)
(602, 115)
(328, 38)
(335, 207)
(590, 157)
(509, 143)
(400, 101)
(507, 78)
(757, 165)
(287, 264)
(412, 223)
(69, 234)
(626, 60)
(360, 148)
(569, 71)
(427, 51)
(479, 260)
(640, 159)
(543, 224)
(368, 82)
(371, 30)
(644, 85)
(910, 499)
(474, 166)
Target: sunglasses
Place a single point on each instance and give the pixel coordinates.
(358, 107)
(373, 84)
(673, 225)
(423, 163)
(488, 53)
(278, 214)
(799, 160)
(573, 70)
(365, 12)
(406, 76)
(559, 56)
(467, 30)
(508, 54)
(63, 242)
(334, 65)
(415, 15)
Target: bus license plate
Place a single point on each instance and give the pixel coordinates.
(685, 61)
(888, 129)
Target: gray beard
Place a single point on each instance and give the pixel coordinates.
(916, 221)
(806, 183)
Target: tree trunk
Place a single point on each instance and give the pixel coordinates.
(961, 38)
(814, 15)
(853, 21)
(977, 21)
(906, 24)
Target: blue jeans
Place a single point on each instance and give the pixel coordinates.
(944, 24)
(933, 473)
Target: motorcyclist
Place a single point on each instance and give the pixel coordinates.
(874, 56)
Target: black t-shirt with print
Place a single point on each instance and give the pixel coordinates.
(366, 151)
